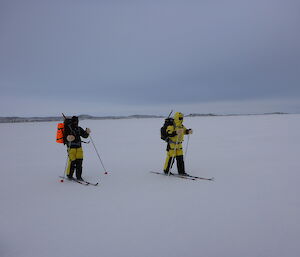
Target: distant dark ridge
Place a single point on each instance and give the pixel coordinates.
(136, 116)
(202, 115)
(81, 117)
(218, 115)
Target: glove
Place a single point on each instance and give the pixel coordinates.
(88, 130)
(70, 138)
(190, 131)
(179, 131)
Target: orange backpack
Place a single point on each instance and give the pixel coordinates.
(60, 133)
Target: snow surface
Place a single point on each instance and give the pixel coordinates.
(252, 209)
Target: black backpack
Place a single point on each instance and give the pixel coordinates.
(163, 129)
(67, 128)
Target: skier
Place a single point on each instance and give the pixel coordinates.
(73, 141)
(176, 134)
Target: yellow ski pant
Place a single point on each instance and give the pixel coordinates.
(74, 154)
(172, 153)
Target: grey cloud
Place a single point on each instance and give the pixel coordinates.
(147, 52)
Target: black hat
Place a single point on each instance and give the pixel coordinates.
(75, 119)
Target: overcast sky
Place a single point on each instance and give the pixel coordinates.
(110, 57)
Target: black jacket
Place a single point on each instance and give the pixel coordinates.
(77, 132)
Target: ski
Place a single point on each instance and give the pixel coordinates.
(173, 175)
(210, 179)
(92, 184)
(82, 182)
(191, 177)
(75, 180)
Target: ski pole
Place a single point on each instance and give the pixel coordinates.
(170, 114)
(187, 145)
(105, 172)
(64, 176)
(173, 157)
(68, 157)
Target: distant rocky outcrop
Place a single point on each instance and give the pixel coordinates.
(135, 116)
(81, 117)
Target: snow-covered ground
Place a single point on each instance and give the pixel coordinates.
(251, 210)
